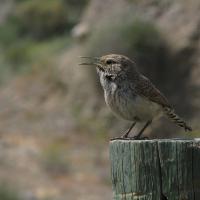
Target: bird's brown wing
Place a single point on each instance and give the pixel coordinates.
(145, 88)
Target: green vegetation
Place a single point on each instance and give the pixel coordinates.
(34, 31)
(8, 193)
(54, 158)
(47, 18)
(24, 55)
(41, 19)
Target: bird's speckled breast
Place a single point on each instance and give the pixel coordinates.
(130, 106)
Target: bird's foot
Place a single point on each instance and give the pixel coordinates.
(120, 138)
(130, 138)
(138, 138)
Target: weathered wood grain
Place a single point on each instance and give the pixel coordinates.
(155, 169)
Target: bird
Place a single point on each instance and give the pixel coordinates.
(130, 94)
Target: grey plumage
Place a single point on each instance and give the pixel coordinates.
(131, 95)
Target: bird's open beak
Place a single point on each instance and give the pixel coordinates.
(88, 63)
(95, 61)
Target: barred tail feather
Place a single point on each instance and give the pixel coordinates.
(176, 119)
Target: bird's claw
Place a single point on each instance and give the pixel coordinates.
(138, 138)
(119, 138)
(130, 138)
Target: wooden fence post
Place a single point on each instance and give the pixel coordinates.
(166, 169)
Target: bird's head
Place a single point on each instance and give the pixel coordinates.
(112, 65)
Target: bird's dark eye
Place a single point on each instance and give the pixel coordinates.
(109, 62)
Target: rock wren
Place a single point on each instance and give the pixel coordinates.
(131, 95)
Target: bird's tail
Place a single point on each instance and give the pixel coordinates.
(176, 119)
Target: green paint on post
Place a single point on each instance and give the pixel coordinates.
(155, 169)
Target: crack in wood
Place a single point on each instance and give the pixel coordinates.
(155, 170)
(162, 196)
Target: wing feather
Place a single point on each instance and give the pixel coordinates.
(145, 88)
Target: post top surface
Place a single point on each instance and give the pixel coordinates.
(171, 140)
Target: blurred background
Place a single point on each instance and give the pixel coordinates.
(54, 125)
